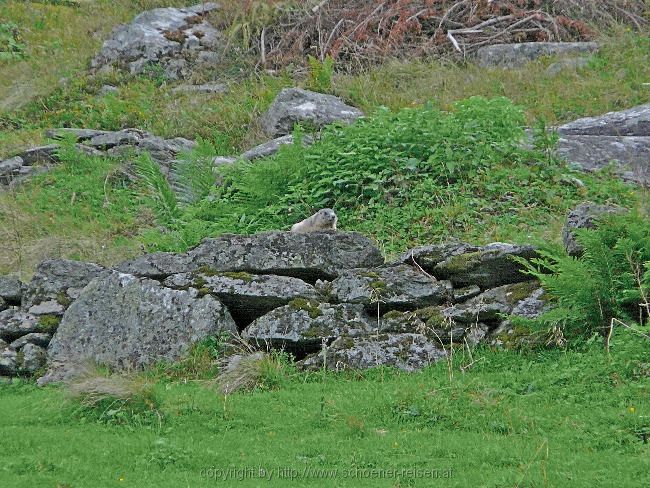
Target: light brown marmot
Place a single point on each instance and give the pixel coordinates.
(324, 219)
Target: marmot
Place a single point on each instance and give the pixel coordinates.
(324, 219)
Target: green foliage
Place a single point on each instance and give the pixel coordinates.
(157, 187)
(196, 171)
(407, 177)
(609, 281)
(319, 78)
(11, 47)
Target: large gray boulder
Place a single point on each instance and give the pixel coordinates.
(308, 256)
(247, 296)
(630, 155)
(8, 362)
(294, 105)
(516, 55)
(303, 325)
(31, 358)
(56, 283)
(399, 287)
(632, 122)
(168, 37)
(408, 352)
(584, 216)
(127, 322)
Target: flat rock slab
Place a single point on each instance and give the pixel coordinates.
(308, 256)
(399, 287)
(247, 296)
(294, 105)
(127, 322)
(630, 155)
(632, 122)
(408, 352)
(303, 325)
(516, 55)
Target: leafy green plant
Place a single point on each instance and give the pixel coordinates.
(11, 47)
(319, 78)
(157, 186)
(609, 282)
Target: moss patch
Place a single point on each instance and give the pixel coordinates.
(49, 323)
(310, 306)
(63, 299)
(462, 262)
(520, 291)
(238, 275)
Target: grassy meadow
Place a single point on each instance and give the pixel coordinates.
(437, 156)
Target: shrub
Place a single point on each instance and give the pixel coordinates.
(253, 370)
(610, 282)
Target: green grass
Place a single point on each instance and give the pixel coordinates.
(554, 418)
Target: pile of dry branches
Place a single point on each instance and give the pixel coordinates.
(360, 31)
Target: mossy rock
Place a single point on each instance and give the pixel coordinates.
(310, 306)
(462, 262)
(520, 291)
(239, 275)
(63, 299)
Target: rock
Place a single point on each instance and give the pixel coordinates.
(294, 105)
(209, 88)
(303, 325)
(126, 322)
(36, 338)
(80, 135)
(108, 140)
(631, 122)
(462, 294)
(490, 305)
(429, 256)
(584, 216)
(628, 154)
(40, 155)
(33, 358)
(516, 55)
(487, 267)
(569, 64)
(247, 296)
(273, 146)
(10, 169)
(3, 345)
(408, 352)
(158, 265)
(307, 256)
(107, 90)
(16, 323)
(8, 359)
(221, 160)
(162, 36)
(430, 322)
(3, 304)
(399, 287)
(56, 283)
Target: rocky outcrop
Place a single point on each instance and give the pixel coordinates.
(303, 293)
(618, 138)
(584, 216)
(294, 105)
(128, 322)
(172, 38)
(516, 55)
